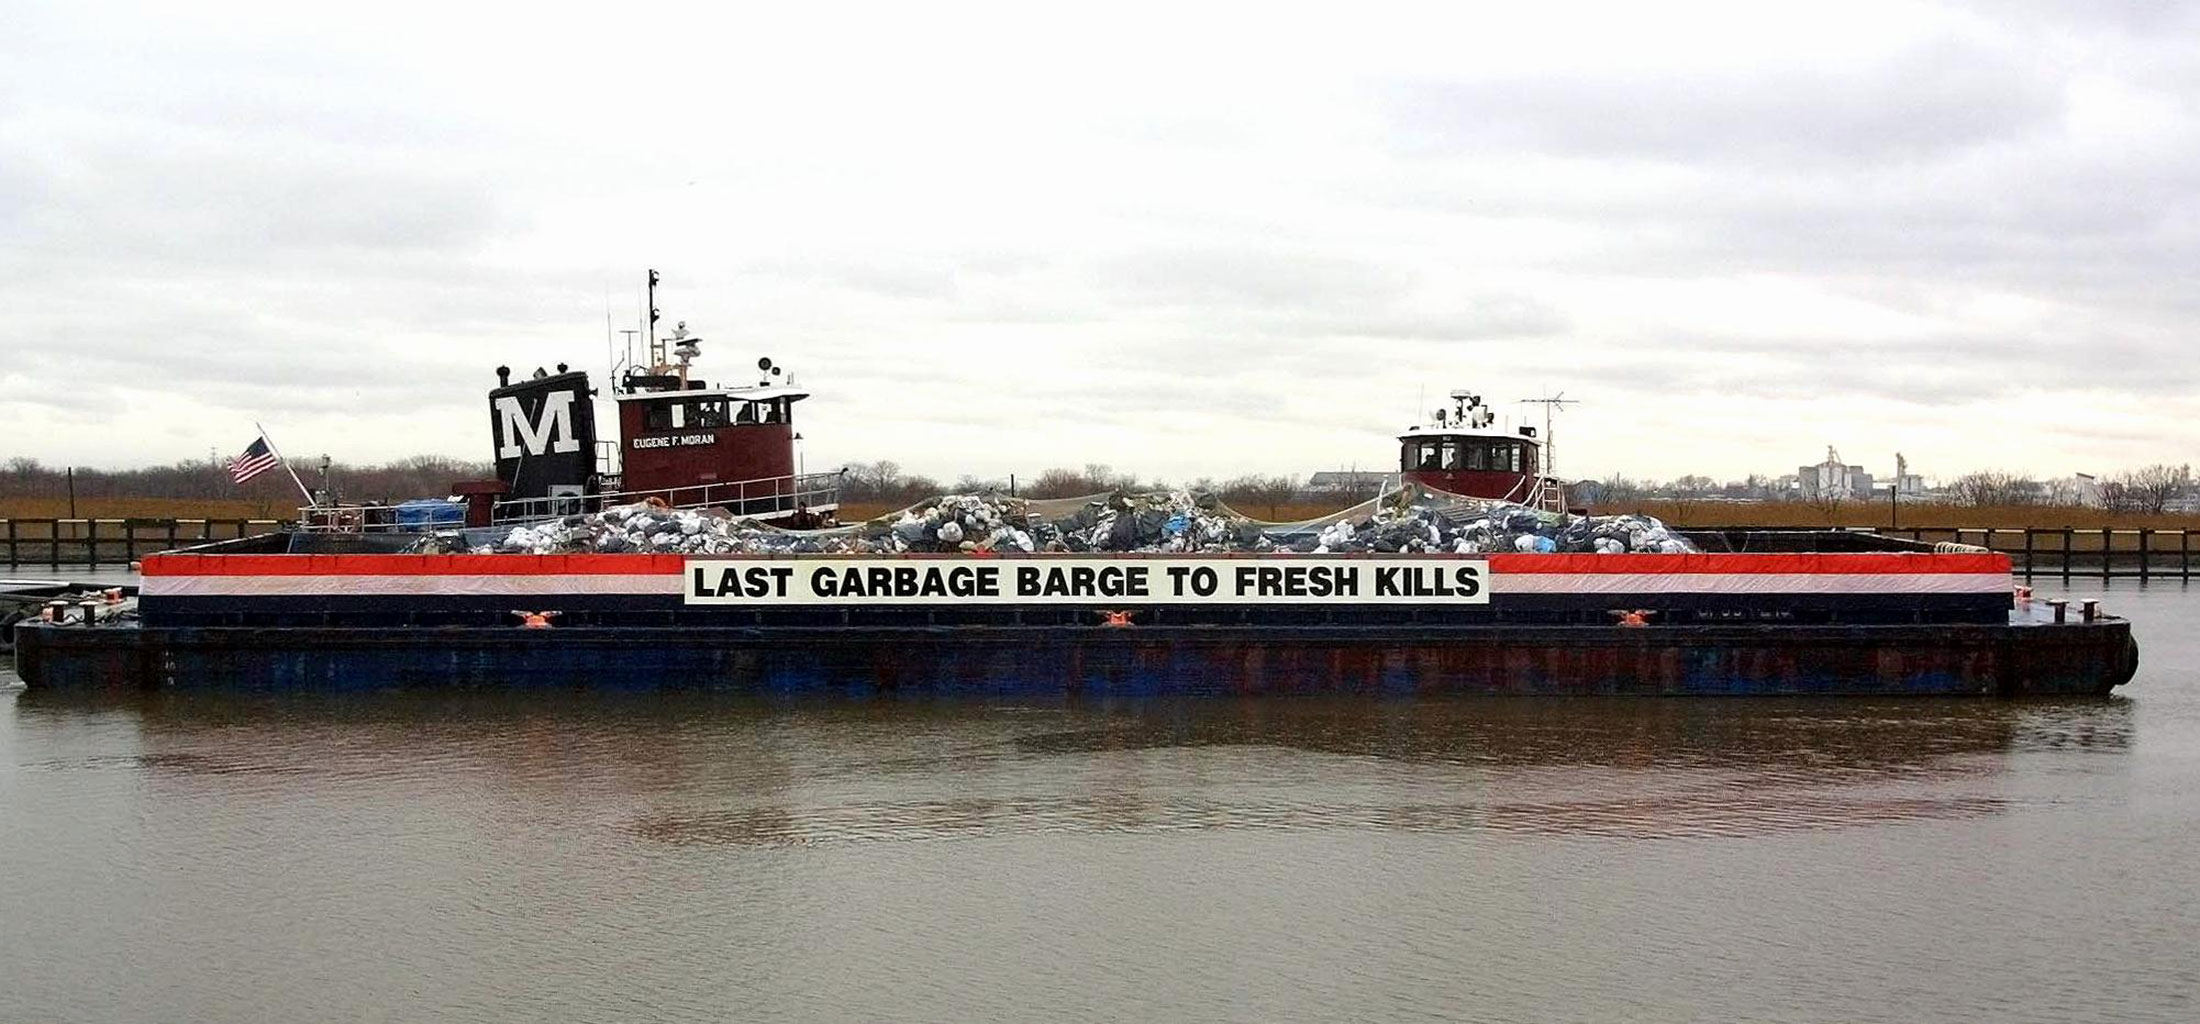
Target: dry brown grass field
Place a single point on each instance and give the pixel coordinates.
(1872, 514)
(144, 508)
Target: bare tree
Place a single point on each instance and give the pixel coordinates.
(1693, 485)
(1826, 501)
(1105, 478)
(2147, 491)
(884, 481)
(916, 486)
(1991, 487)
(1271, 491)
(870, 481)
(971, 484)
(1617, 488)
(1059, 482)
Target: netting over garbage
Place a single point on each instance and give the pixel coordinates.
(1159, 521)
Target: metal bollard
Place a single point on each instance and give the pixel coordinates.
(2090, 610)
(2061, 607)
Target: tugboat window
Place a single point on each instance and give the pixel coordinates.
(657, 416)
(1450, 460)
(707, 412)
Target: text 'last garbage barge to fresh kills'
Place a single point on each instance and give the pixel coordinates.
(1174, 581)
(1157, 522)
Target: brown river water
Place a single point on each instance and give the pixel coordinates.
(699, 857)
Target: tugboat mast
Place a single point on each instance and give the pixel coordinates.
(656, 348)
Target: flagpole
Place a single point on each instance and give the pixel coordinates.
(310, 503)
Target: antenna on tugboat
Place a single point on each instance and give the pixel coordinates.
(627, 357)
(1557, 402)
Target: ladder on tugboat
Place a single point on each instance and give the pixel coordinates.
(1541, 493)
(1549, 495)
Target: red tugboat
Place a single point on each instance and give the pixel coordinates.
(1462, 451)
(681, 441)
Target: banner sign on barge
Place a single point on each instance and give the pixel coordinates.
(869, 581)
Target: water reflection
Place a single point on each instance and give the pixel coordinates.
(699, 770)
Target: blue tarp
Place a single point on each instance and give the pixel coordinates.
(425, 513)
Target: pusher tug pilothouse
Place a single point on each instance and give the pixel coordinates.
(681, 442)
(1462, 451)
(1123, 597)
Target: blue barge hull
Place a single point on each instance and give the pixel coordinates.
(1731, 623)
(2016, 659)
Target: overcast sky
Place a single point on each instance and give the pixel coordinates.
(1184, 242)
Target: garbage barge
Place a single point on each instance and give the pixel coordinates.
(1792, 614)
(692, 551)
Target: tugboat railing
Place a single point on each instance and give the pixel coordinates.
(817, 492)
(762, 497)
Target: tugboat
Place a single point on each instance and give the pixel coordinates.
(1462, 451)
(681, 442)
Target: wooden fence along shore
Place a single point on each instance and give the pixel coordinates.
(96, 542)
(2097, 553)
(2067, 552)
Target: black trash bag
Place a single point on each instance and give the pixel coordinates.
(1123, 533)
(1152, 524)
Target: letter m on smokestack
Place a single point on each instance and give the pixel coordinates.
(545, 432)
(551, 429)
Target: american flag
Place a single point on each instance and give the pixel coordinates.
(257, 459)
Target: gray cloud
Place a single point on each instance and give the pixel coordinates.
(980, 270)
(1918, 104)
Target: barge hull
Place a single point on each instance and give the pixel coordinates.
(1055, 661)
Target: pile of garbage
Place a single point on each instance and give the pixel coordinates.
(1160, 521)
(1502, 527)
